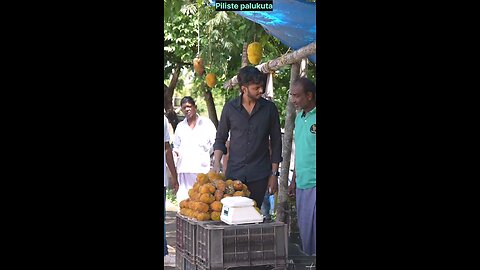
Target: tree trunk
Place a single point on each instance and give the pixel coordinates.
(168, 95)
(287, 149)
(212, 113)
(245, 55)
(279, 62)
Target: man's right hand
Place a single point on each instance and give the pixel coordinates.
(217, 156)
(216, 168)
(292, 189)
(175, 187)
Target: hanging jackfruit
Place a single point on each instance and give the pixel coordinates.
(198, 65)
(254, 52)
(211, 79)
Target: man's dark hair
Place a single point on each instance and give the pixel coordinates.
(250, 74)
(187, 99)
(307, 86)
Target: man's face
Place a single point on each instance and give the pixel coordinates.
(253, 91)
(189, 110)
(299, 97)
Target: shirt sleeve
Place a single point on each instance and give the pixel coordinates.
(276, 136)
(177, 138)
(211, 134)
(222, 131)
(166, 134)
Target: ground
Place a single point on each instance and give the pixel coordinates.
(170, 222)
(171, 240)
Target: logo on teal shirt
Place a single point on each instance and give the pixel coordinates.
(313, 128)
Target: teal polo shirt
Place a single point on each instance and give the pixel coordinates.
(306, 149)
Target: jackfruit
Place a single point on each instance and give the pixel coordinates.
(198, 65)
(215, 216)
(254, 52)
(211, 79)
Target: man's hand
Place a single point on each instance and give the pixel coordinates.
(291, 189)
(217, 156)
(175, 186)
(215, 168)
(272, 184)
(293, 185)
(175, 182)
(171, 167)
(176, 154)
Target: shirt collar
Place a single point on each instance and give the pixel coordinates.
(238, 103)
(312, 111)
(186, 120)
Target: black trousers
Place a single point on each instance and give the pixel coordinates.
(257, 190)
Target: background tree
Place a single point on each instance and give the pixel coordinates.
(180, 42)
(222, 35)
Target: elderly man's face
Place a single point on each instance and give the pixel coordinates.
(189, 110)
(299, 97)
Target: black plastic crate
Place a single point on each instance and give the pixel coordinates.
(180, 224)
(302, 263)
(186, 229)
(183, 262)
(260, 267)
(221, 246)
(185, 236)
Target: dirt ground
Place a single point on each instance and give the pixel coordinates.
(171, 227)
(171, 232)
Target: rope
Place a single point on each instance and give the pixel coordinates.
(254, 26)
(282, 60)
(198, 39)
(210, 47)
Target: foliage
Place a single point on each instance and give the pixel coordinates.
(180, 39)
(170, 7)
(222, 35)
(170, 196)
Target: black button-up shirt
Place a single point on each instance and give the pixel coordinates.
(249, 159)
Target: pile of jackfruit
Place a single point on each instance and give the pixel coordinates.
(204, 197)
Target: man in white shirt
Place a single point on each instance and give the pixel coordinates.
(168, 260)
(193, 140)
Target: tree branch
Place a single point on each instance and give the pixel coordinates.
(176, 74)
(279, 62)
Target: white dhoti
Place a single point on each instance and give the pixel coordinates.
(185, 182)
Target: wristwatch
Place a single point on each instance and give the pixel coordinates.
(275, 174)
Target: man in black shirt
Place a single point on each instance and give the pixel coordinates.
(251, 121)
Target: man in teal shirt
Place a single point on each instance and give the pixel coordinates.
(304, 182)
